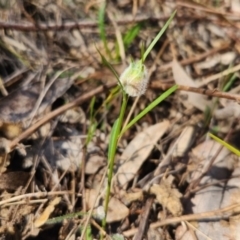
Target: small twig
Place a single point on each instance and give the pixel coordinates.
(29, 195)
(208, 92)
(215, 214)
(144, 220)
(197, 58)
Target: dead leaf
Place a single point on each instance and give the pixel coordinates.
(183, 142)
(117, 211)
(137, 152)
(168, 196)
(46, 213)
(94, 163)
(182, 78)
(231, 110)
(210, 197)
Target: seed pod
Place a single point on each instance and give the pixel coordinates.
(135, 78)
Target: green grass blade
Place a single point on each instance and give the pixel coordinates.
(150, 47)
(230, 82)
(110, 67)
(131, 35)
(150, 107)
(228, 146)
(101, 25)
(113, 139)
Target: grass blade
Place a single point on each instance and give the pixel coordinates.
(150, 47)
(225, 144)
(150, 107)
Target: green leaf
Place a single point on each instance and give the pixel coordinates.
(101, 25)
(225, 144)
(131, 35)
(110, 67)
(113, 139)
(150, 47)
(150, 107)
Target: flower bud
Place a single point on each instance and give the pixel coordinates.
(134, 79)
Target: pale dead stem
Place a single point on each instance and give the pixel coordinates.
(208, 92)
(30, 195)
(220, 213)
(194, 59)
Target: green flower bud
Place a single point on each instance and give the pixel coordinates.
(135, 78)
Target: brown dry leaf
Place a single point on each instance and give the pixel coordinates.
(205, 151)
(231, 110)
(117, 211)
(183, 141)
(91, 195)
(232, 196)
(94, 163)
(138, 150)
(181, 78)
(168, 196)
(208, 63)
(129, 197)
(46, 213)
(210, 198)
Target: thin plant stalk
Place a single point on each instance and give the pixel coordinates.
(111, 153)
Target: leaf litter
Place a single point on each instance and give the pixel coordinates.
(167, 172)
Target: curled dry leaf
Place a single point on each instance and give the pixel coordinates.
(231, 110)
(129, 197)
(183, 142)
(46, 213)
(117, 211)
(211, 196)
(94, 163)
(138, 150)
(181, 78)
(168, 196)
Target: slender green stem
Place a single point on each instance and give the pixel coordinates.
(150, 47)
(112, 152)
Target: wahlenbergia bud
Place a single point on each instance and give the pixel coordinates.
(135, 78)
